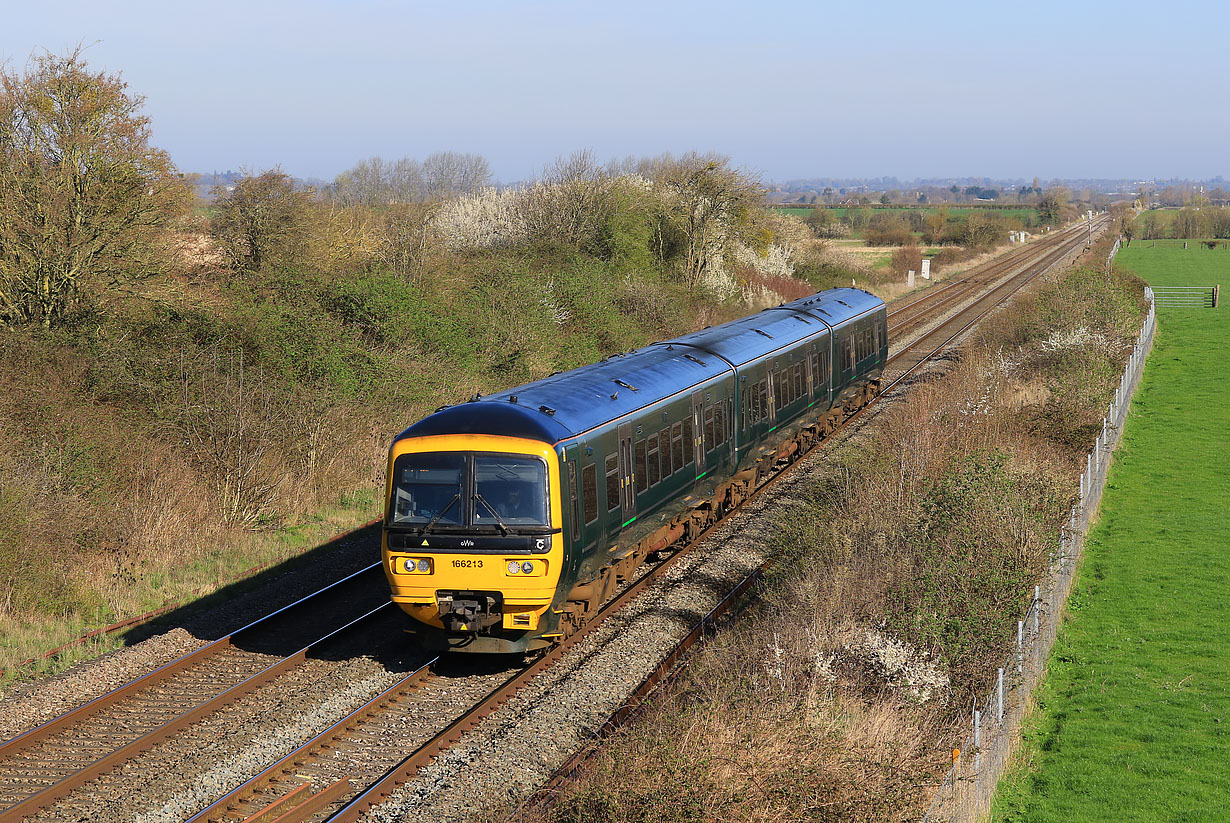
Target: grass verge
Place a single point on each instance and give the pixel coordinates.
(1133, 719)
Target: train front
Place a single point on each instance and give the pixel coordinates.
(472, 542)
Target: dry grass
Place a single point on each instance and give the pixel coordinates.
(900, 573)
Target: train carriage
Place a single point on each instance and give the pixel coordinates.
(511, 517)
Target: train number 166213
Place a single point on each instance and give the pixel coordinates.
(467, 564)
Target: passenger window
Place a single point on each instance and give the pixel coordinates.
(655, 467)
(589, 492)
(664, 448)
(719, 425)
(677, 447)
(800, 381)
(688, 442)
(642, 475)
(612, 482)
(763, 397)
(709, 442)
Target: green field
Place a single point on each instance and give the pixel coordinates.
(1133, 720)
(953, 211)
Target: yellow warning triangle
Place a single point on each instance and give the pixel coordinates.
(424, 542)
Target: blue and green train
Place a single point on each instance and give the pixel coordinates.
(510, 518)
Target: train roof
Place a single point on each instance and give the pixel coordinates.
(569, 403)
(835, 306)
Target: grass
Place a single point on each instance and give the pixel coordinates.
(923, 537)
(1133, 720)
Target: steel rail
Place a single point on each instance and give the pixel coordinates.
(291, 762)
(662, 674)
(48, 795)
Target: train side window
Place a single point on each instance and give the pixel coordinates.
(642, 474)
(689, 443)
(589, 492)
(655, 467)
(779, 390)
(612, 482)
(572, 494)
(879, 335)
(763, 396)
(719, 425)
(800, 381)
(824, 366)
(677, 446)
(664, 449)
(709, 444)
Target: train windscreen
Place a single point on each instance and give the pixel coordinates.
(462, 489)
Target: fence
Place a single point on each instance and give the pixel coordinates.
(967, 789)
(1192, 297)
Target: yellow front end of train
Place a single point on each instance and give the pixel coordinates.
(472, 541)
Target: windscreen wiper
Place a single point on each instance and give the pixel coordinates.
(443, 511)
(503, 529)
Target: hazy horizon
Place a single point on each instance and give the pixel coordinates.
(893, 90)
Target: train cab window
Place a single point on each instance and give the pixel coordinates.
(589, 492)
(427, 487)
(677, 446)
(642, 472)
(688, 442)
(709, 441)
(655, 467)
(576, 503)
(612, 482)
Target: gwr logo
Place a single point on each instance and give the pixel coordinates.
(467, 542)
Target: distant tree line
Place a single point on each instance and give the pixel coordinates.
(1185, 223)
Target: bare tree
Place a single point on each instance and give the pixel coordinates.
(84, 198)
(263, 218)
(1052, 204)
(404, 236)
(230, 423)
(449, 174)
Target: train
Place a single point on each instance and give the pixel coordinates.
(511, 518)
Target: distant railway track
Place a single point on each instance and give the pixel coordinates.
(904, 318)
(48, 764)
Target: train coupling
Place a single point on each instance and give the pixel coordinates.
(464, 611)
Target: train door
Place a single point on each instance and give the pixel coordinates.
(698, 431)
(770, 368)
(571, 504)
(627, 477)
(811, 375)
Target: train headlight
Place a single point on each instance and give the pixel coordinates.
(417, 565)
(527, 567)
(514, 567)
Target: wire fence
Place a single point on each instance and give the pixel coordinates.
(966, 791)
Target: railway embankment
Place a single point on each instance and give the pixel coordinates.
(1131, 721)
(902, 568)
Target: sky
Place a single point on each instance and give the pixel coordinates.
(786, 89)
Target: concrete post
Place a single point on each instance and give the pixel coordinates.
(909, 280)
(999, 700)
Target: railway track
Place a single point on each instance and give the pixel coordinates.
(320, 779)
(947, 295)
